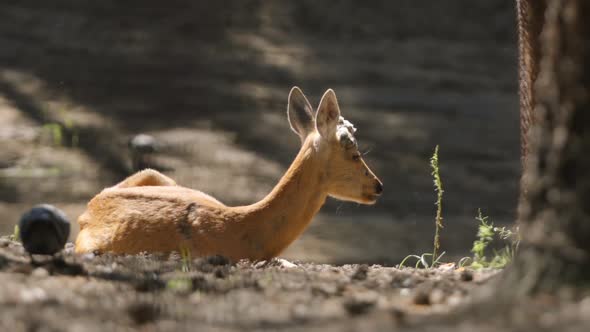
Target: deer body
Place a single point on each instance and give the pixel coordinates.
(149, 212)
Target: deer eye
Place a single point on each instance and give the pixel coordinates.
(356, 157)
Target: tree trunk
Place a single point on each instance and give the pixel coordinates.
(530, 15)
(555, 214)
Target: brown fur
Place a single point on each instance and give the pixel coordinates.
(149, 212)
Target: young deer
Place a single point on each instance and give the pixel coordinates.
(149, 212)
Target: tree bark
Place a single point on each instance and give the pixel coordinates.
(530, 14)
(555, 214)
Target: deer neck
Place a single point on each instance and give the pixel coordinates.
(278, 219)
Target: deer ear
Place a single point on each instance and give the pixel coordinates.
(328, 115)
(299, 113)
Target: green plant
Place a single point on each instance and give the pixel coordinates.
(71, 128)
(438, 221)
(422, 261)
(185, 254)
(179, 285)
(56, 132)
(15, 236)
(59, 131)
(486, 235)
(439, 196)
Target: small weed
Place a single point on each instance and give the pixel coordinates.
(185, 254)
(180, 285)
(62, 134)
(464, 261)
(439, 196)
(75, 139)
(486, 235)
(55, 130)
(421, 261)
(15, 236)
(435, 256)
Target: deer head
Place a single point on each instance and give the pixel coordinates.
(343, 172)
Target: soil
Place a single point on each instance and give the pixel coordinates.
(169, 293)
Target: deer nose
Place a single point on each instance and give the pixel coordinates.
(378, 187)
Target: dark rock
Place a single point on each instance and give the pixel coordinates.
(149, 284)
(221, 272)
(422, 296)
(143, 313)
(358, 305)
(360, 273)
(218, 260)
(44, 230)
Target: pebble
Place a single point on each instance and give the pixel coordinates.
(360, 303)
(40, 273)
(405, 292)
(455, 299)
(326, 289)
(408, 282)
(69, 248)
(88, 256)
(31, 295)
(437, 296)
(361, 273)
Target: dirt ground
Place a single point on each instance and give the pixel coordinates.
(157, 293)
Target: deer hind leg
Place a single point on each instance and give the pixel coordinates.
(147, 177)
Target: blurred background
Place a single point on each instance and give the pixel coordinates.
(209, 81)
